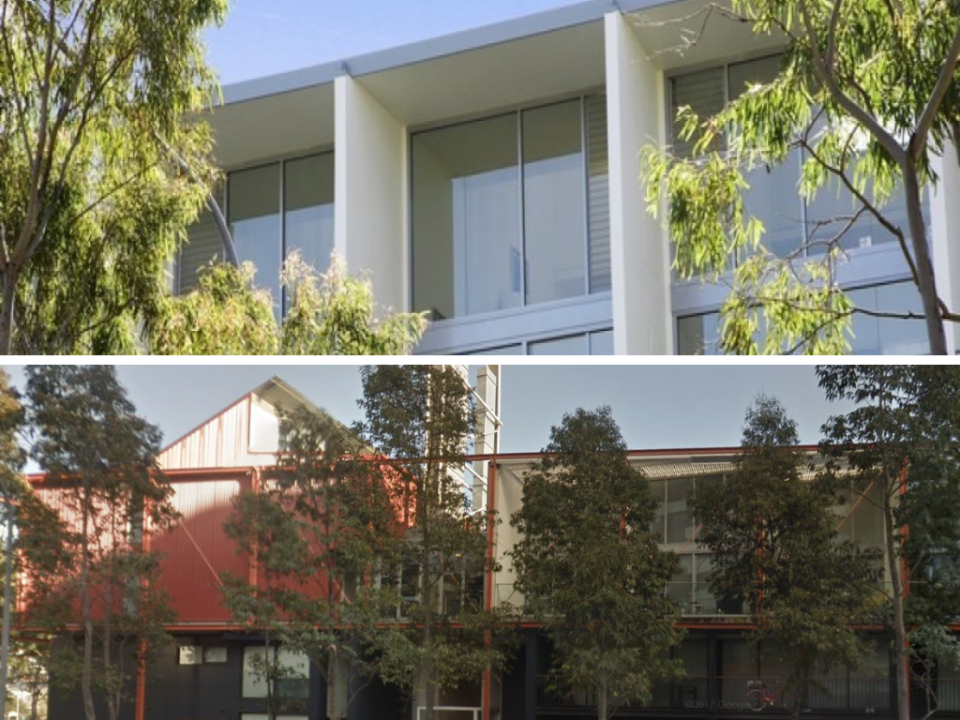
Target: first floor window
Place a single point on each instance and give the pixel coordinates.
(511, 210)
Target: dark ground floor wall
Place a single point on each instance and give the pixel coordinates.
(201, 677)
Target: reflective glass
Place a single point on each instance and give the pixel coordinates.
(601, 343)
(679, 518)
(467, 252)
(254, 217)
(553, 210)
(698, 334)
(573, 345)
(884, 335)
(308, 209)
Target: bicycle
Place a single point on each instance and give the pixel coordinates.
(759, 697)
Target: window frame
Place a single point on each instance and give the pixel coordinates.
(528, 322)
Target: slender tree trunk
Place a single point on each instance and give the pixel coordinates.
(926, 280)
(9, 279)
(602, 700)
(7, 600)
(899, 627)
(87, 671)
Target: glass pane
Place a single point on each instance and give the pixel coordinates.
(601, 343)
(679, 519)
(680, 586)
(505, 350)
(658, 488)
(598, 192)
(254, 217)
(466, 218)
(774, 199)
(698, 334)
(573, 345)
(888, 336)
(254, 672)
(744, 74)
(553, 193)
(704, 93)
(308, 186)
(702, 596)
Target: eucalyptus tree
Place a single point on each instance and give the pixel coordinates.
(100, 104)
(588, 552)
(85, 564)
(418, 418)
(867, 95)
(773, 538)
(900, 444)
(317, 529)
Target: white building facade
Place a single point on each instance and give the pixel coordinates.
(491, 178)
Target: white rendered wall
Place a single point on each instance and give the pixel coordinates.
(370, 219)
(944, 222)
(642, 317)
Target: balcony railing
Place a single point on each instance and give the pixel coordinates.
(729, 694)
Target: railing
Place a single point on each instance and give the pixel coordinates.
(452, 712)
(729, 694)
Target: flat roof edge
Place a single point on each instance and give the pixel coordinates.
(280, 83)
(476, 38)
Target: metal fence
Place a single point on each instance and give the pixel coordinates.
(729, 694)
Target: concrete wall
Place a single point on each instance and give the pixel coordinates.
(370, 220)
(642, 318)
(944, 215)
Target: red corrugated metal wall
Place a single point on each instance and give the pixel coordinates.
(197, 551)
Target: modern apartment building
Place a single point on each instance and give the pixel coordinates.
(211, 672)
(491, 178)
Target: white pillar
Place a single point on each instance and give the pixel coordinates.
(642, 321)
(370, 217)
(944, 224)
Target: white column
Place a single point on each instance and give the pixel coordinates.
(642, 323)
(370, 216)
(944, 222)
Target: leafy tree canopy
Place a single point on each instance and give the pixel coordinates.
(332, 314)
(866, 96)
(587, 550)
(419, 418)
(85, 556)
(774, 541)
(901, 442)
(99, 107)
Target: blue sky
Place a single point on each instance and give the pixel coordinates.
(263, 37)
(656, 406)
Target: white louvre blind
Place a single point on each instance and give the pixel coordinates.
(598, 192)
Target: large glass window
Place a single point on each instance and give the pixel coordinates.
(503, 208)
(274, 210)
(773, 196)
(872, 335)
(255, 223)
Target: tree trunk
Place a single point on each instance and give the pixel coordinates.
(899, 628)
(333, 677)
(602, 700)
(9, 279)
(926, 280)
(7, 600)
(87, 671)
